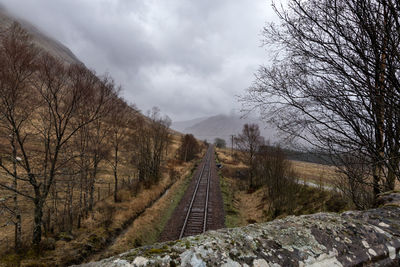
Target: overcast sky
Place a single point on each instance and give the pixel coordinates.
(190, 58)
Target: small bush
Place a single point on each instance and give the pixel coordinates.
(48, 244)
(107, 211)
(336, 204)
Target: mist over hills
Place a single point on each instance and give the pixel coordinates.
(49, 44)
(222, 126)
(204, 128)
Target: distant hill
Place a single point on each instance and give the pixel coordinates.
(40, 39)
(222, 126)
(180, 126)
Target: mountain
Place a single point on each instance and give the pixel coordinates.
(180, 126)
(47, 43)
(221, 126)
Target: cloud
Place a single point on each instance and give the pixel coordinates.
(190, 58)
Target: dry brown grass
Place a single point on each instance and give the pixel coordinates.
(243, 207)
(96, 234)
(225, 155)
(250, 207)
(314, 172)
(320, 174)
(146, 229)
(108, 219)
(306, 171)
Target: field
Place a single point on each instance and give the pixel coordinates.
(319, 174)
(313, 172)
(306, 171)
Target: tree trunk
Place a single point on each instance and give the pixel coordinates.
(115, 187)
(37, 222)
(116, 174)
(391, 178)
(17, 214)
(18, 233)
(380, 117)
(92, 181)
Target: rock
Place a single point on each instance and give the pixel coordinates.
(355, 238)
(65, 236)
(391, 198)
(140, 261)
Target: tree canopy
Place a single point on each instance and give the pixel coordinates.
(334, 83)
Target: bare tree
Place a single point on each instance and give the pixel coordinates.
(72, 98)
(271, 168)
(44, 113)
(249, 142)
(119, 119)
(189, 148)
(91, 143)
(336, 84)
(151, 141)
(99, 150)
(353, 183)
(17, 67)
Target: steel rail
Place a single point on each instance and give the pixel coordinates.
(206, 208)
(193, 197)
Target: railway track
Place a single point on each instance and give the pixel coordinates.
(197, 212)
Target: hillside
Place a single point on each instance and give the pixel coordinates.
(222, 126)
(40, 39)
(111, 166)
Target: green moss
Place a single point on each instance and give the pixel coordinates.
(157, 251)
(169, 211)
(231, 213)
(171, 243)
(128, 258)
(232, 217)
(131, 256)
(152, 235)
(187, 244)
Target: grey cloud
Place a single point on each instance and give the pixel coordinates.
(188, 57)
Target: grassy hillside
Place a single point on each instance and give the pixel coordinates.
(41, 40)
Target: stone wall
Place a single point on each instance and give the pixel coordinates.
(355, 238)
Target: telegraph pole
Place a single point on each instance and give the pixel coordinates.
(232, 137)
